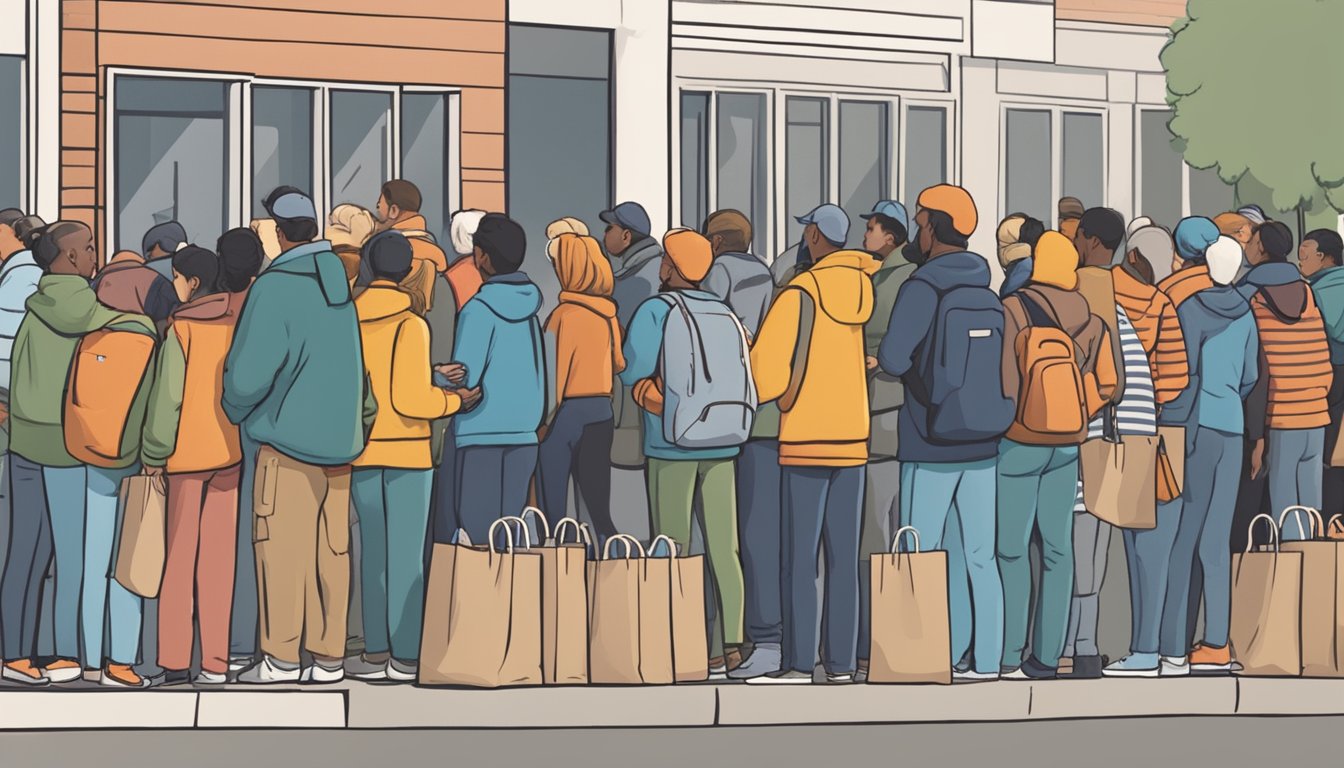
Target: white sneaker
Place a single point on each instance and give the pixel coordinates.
(237, 664)
(361, 668)
(210, 678)
(67, 675)
(402, 673)
(782, 678)
(844, 679)
(321, 675)
(12, 676)
(1175, 666)
(265, 672)
(971, 676)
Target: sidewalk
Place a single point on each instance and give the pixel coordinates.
(362, 705)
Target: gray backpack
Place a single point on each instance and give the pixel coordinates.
(709, 395)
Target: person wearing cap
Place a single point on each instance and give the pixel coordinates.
(158, 245)
(947, 483)
(295, 382)
(676, 475)
(816, 369)
(1223, 350)
(1038, 472)
(1070, 210)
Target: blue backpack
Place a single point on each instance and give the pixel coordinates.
(959, 379)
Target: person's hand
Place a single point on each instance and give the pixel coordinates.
(871, 362)
(1257, 458)
(470, 397)
(456, 373)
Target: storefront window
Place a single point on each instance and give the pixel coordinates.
(171, 157)
(361, 146)
(282, 142)
(1084, 158)
(865, 162)
(806, 175)
(426, 155)
(925, 149)
(1160, 169)
(12, 163)
(1209, 196)
(1027, 168)
(694, 159)
(742, 165)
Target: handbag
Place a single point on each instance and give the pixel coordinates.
(1119, 474)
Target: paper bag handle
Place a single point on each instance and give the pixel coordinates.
(510, 539)
(1336, 524)
(543, 524)
(671, 546)
(1313, 516)
(1273, 531)
(896, 540)
(632, 546)
(581, 532)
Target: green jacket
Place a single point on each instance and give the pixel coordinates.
(884, 392)
(60, 313)
(1328, 287)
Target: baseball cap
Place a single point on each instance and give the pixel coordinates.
(831, 220)
(1071, 208)
(631, 216)
(294, 205)
(955, 202)
(892, 209)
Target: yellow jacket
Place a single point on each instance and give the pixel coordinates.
(396, 354)
(824, 421)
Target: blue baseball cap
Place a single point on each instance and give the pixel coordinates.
(831, 220)
(631, 216)
(294, 205)
(891, 209)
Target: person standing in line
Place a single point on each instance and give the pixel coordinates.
(954, 413)
(19, 275)
(809, 355)
(1320, 257)
(1070, 211)
(399, 209)
(349, 227)
(1015, 251)
(635, 262)
(294, 381)
(159, 244)
(588, 357)
(1038, 457)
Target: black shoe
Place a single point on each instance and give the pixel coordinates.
(1085, 668)
(1035, 670)
(173, 677)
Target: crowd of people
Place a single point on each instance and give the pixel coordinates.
(309, 372)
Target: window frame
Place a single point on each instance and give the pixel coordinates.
(1057, 111)
(1139, 110)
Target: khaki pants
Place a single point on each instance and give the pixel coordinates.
(302, 536)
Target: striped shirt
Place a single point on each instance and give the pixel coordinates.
(1155, 321)
(1297, 356)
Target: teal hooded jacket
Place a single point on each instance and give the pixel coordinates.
(1328, 286)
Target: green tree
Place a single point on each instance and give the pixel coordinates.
(1255, 85)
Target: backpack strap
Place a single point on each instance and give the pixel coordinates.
(914, 380)
(1036, 314)
(802, 348)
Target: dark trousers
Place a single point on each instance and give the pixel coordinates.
(758, 524)
(29, 555)
(1332, 479)
(492, 482)
(578, 444)
(443, 497)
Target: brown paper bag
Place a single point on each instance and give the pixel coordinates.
(1322, 597)
(1265, 632)
(483, 614)
(144, 536)
(1335, 529)
(1120, 480)
(564, 605)
(655, 621)
(613, 614)
(911, 627)
(690, 641)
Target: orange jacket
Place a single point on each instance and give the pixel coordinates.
(1181, 285)
(587, 346)
(1154, 318)
(1294, 350)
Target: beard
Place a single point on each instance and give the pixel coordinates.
(914, 254)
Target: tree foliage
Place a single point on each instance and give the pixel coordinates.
(1256, 89)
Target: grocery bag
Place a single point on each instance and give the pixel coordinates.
(1266, 632)
(483, 612)
(564, 601)
(613, 613)
(690, 641)
(911, 635)
(141, 547)
(1120, 479)
(1322, 617)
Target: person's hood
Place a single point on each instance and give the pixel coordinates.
(1287, 301)
(67, 304)
(216, 306)
(637, 255)
(316, 260)
(842, 286)
(892, 261)
(599, 304)
(122, 266)
(1280, 273)
(1069, 308)
(18, 259)
(1055, 262)
(380, 301)
(954, 270)
(1330, 277)
(749, 258)
(1183, 284)
(513, 297)
(413, 226)
(1223, 301)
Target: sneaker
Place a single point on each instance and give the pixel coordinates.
(1135, 665)
(861, 674)
(210, 678)
(1084, 668)
(1031, 669)
(846, 678)
(765, 659)
(1206, 659)
(63, 671)
(322, 675)
(24, 672)
(362, 668)
(269, 672)
(971, 676)
(402, 672)
(122, 676)
(237, 664)
(172, 677)
(720, 666)
(785, 677)
(1175, 666)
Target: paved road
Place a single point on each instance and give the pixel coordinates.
(1185, 742)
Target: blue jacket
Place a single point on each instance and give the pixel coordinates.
(643, 350)
(912, 321)
(1281, 273)
(1328, 287)
(18, 281)
(294, 376)
(1015, 276)
(1223, 349)
(499, 341)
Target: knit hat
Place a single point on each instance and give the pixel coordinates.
(1194, 235)
(349, 225)
(1011, 247)
(1138, 223)
(955, 202)
(1071, 208)
(690, 253)
(1056, 262)
(463, 228)
(1255, 213)
(1224, 258)
(388, 255)
(1230, 223)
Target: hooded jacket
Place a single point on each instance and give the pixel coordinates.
(1327, 286)
(427, 262)
(583, 329)
(18, 280)
(395, 343)
(636, 273)
(63, 309)
(827, 424)
(193, 434)
(745, 284)
(912, 320)
(1015, 276)
(294, 377)
(499, 341)
(1154, 319)
(129, 286)
(1295, 372)
(885, 392)
(1221, 345)
(1181, 285)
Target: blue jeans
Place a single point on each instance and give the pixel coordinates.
(393, 507)
(491, 482)
(1148, 553)
(758, 525)
(939, 496)
(822, 508)
(107, 609)
(243, 621)
(66, 490)
(1208, 500)
(1294, 460)
(29, 551)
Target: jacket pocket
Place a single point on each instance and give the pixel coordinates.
(336, 525)
(264, 494)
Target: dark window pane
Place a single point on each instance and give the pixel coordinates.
(741, 137)
(694, 159)
(1084, 158)
(12, 163)
(865, 162)
(925, 149)
(1026, 165)
(807, 144)
(361, 144)
(426, 152)
(1160, 170)
(282, 142)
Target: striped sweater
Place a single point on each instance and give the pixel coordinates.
(1181, 285)
(1295, 355)
(1153, 316)
(1136, 413)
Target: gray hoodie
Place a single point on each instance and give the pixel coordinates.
(636, 273)
(745, 284)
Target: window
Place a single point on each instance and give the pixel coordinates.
(806, 172)
(1084, 158)
(171, 157)
(865, 146)
(925, 149)
(1209, 196)
(742, 168)
(12, 177)
(1027, 163)
(1160, 170)
(282, 142)
(361, 146)
(694, 159)
(427, 157)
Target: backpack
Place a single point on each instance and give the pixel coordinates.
(708, 390)
(1052, 401)
(959, 379)
(109, 370)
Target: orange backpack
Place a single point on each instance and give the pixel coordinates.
(106, 376)
(1053, 401)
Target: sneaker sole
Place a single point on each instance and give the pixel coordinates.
(21, 679)
(61, 677)
(779, 681)
(1132, 673)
